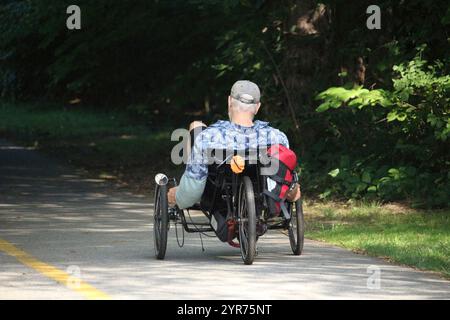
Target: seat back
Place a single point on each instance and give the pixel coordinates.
(221, 177)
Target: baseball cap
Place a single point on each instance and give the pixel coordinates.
(246, 92)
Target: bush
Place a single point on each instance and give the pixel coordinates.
(412, 122)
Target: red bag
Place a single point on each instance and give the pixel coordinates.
(279, 183)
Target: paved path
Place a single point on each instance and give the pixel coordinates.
(54, 223)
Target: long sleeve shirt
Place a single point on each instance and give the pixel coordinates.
(221, 135)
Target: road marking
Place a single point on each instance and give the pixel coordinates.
(88, 291)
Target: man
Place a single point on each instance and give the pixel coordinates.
(241, 132)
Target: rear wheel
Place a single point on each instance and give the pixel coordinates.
(296, 227)
(247, 221)
(160, 221)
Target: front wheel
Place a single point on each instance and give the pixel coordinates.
(247, 221)
(160, 221)
(296, 227)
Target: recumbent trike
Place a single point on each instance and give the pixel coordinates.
(236, 204)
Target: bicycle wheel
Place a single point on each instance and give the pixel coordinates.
(296, 227)
(160, 221)
(247, 221)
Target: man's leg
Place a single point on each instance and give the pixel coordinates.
(195, 128)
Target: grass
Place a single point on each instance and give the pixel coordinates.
(107, 144)
(399, 234)
(26, 121)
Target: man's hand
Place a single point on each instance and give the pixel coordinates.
(171, 196)
(294, 194)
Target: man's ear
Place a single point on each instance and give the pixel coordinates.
(257, 107)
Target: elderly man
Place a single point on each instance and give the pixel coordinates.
(243, 105)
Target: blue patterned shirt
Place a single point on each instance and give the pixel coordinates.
(221, 135)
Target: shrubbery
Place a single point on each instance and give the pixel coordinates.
(413, 122)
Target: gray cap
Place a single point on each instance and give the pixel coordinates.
(246, 92)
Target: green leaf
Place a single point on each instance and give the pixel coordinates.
(361, 187)
(401, 116)
(325, 194)
(366, 177)
(391, 116)
(328, 104)
(334, 173)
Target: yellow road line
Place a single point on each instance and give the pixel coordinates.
(88, 291)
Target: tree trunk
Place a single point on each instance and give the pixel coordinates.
(307, 37)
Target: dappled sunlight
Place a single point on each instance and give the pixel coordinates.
(220, 272)
(65, 220)
(12, 148)
(127, 204)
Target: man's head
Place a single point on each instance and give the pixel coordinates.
(244, 100)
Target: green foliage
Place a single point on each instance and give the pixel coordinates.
(417, 111)
(390, 184)
(422, 98)
(359, 97)
(128, 53)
